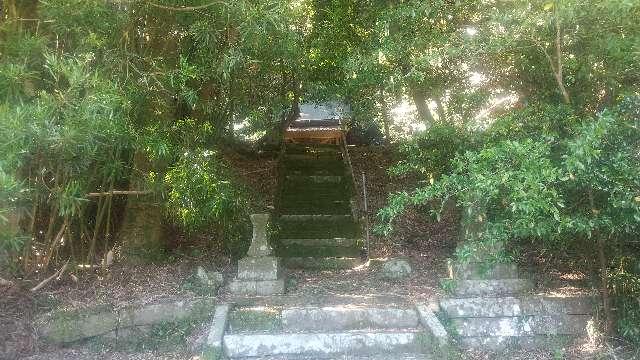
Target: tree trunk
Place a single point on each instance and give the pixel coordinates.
(143, 233)
(442, 116)
(421, 105)
(385, 117)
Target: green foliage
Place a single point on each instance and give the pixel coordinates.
(202, 194)
(557, 178)
(624, 280)
(547, 122)
(515, 181)
(429, 154)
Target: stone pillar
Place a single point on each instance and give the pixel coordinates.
(143, 233)
(259, 273)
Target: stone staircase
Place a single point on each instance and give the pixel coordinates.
(317, 229)
(326, 332)
(492, 308)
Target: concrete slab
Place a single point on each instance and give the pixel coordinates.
(336, 318)
(432, 325)
(320, 344)
(212, 349)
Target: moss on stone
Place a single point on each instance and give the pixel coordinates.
(255, 320)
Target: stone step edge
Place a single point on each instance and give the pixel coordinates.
(321, 242)
(344, 318)
(363, 330)
(501, 343)
(341, 263)
(531, 305)
(315, 178)
(328, 343)
(315, 217)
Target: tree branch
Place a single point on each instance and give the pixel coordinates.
(57, 275)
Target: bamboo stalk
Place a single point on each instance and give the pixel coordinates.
(57, 275)
(55, 240)
(99, 215)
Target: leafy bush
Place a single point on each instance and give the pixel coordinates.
(203, 195)
(548, 122)
(624, 280)
(548, 189)
(513, 182)
(430, 153)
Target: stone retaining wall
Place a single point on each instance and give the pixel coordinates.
(72, 326)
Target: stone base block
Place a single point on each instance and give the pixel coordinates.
(259, 268)
(522, 325)
(257, 288)
(478, 271)
(472, 288)
(501, 343)
(512, 306)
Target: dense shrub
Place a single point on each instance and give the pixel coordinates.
(202, 195)
(578, 182)
(430, 153)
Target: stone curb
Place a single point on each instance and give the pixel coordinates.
(432, 325)
(212, 349)
(71, 326)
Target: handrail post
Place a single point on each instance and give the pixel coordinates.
(366, 213)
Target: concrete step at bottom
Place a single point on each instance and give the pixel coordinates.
(400, 356)
(323, 345)
(328, 263)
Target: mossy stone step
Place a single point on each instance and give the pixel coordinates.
(314, 209)
(334, 167)
(314, 172)
(336, 242)
(328, 263)
(317, 179)
(254, 320)
(318, 227)
(317, 251)
(305, 182)
(314, 192)
(313, 156)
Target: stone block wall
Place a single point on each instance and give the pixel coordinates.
(491, 308)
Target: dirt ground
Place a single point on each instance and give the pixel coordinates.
(424, 242)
